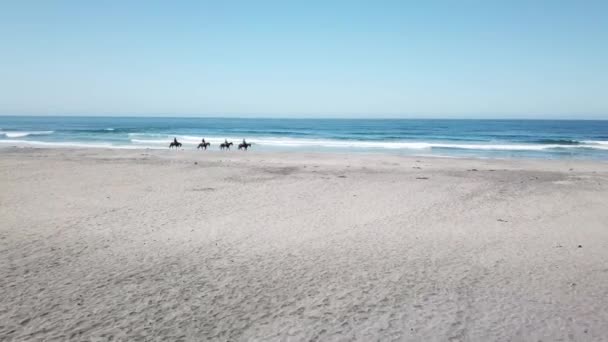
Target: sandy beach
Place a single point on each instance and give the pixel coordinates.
(155, 245)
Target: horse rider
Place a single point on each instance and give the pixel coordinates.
(244, 142)
(203, 141)
(175, 140)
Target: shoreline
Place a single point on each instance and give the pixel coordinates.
(330, 153)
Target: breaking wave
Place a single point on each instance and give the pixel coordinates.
(21, 134)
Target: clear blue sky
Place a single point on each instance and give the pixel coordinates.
(531, 59)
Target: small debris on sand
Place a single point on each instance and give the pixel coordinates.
(501, 220)
(203, 189)
(473, 170)
(580, 246)
(422, 177)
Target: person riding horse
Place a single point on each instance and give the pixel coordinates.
(225, 145)
(203, 144)
(244, 145)
(175, 144)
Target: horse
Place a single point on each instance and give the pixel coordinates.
(244, 146)
(204, 145)
(175, 144)
(226, 145)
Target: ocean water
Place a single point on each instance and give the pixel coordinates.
(543, 139)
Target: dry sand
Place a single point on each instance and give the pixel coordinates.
(100, 245)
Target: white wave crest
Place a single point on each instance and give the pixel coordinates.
(596, 142)
(21, 134)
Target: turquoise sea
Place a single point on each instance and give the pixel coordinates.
(543, 139)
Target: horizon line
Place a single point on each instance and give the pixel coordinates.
(312, 117)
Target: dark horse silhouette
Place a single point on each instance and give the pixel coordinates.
(204, 145)
(175, 144)
(244, 146)
(225, 145)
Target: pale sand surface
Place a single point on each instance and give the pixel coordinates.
(99, 245)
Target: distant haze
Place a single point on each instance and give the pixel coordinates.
(444, 59)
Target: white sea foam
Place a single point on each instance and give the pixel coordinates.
(596, 142)
(416, 145)
(21, 134)
(66, 144)
(285, 142)
(329, 143)
(161, 141)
